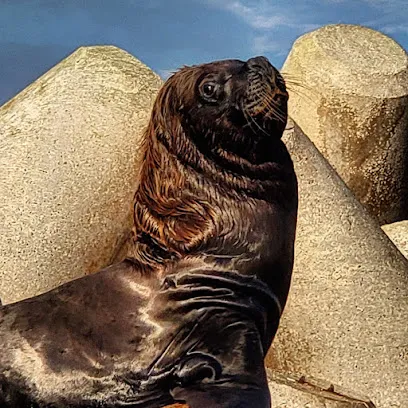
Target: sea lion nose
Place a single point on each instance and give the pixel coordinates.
(262, 66)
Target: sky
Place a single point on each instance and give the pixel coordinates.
(166, 34)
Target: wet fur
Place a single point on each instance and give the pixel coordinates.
(192, 311)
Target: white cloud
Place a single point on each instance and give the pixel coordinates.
(259, 16)
(375, 3)
(275, 23)
(392, 29)
(264, 15)
(387, 3)
(265, 43)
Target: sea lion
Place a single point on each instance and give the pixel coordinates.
(190, 314)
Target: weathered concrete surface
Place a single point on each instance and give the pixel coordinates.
(68, 168)
(398, 234)
(347, 312)
(303, 392)
(352, 102)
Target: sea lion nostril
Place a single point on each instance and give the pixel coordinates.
(258, 61)
(261, 66)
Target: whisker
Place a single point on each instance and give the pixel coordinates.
(272, 112)
(295, 80)
(253, 104)
(277, 108)
(290, 75)
(299, 88)
(246, 116)
(301, 93)
(300, 85)
(254, 122)
(273, 107)
(264, 102)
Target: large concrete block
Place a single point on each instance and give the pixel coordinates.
(346, 316)
(352, 102)
(68, 168)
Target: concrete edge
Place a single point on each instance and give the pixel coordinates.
(84, 49)
(321, 388)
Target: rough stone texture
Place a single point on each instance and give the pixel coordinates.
(303, 392)
(68, 168)
(398, 234)
(352, 102)
(346, 316)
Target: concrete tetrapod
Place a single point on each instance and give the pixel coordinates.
(352, 102)
(346, 317)
(68, 168)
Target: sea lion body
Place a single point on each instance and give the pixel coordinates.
(190, 314)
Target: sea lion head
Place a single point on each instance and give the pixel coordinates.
(228, 104)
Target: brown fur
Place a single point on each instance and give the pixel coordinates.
(190, 315)
(163, 207)
(172, 205)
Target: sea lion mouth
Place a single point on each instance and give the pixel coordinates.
(266, 97)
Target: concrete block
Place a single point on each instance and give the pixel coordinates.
(68, 168)
(350, 97)
(346, 316)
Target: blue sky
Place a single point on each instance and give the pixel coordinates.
(165, 34)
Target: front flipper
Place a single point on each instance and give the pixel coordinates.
(200, 384)
(220, 357)
(223, 396)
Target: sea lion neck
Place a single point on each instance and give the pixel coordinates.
(235, 173)
(177, 205)
(246, 156)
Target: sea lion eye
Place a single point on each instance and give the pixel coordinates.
(209, 90)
